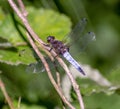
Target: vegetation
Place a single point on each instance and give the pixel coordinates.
(100, 88)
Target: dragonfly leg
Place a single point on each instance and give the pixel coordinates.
(56, 56)
(68, 49)
(50, 49)
(46, 45)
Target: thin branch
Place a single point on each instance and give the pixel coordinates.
(22, 7)
(59, 84)
(31, 32)
(49, 72)
(38, 52)
(8, 99)
(58, 79)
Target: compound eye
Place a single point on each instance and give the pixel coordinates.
(50, 38)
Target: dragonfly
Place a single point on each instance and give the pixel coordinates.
(63, 50)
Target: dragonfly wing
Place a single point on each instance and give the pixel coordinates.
(79, 36)
(31, 60)
(85, 40)
(77, 30)
(36, 67)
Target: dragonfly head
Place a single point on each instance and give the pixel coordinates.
(50, 39)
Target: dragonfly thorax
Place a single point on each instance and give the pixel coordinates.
(59, 47)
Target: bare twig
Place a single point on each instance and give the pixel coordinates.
(22, 7)
(8, 99)
(49, 72)
(58, 78)
(37, 39)
(42, 58)
(59, 84)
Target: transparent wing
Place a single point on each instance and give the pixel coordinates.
(38, 67)
(85, 40)
(80, 36)
(79, 28)
(35, 66)
(77, 31)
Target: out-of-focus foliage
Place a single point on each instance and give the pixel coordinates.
(52, 17)
(13, 56)
(24, 106)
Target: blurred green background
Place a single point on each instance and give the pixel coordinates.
(57, 17)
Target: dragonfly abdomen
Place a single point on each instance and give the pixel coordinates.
(68, 57)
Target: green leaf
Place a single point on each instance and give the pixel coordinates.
(48, 22)
(102, 101)
(13, 57)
